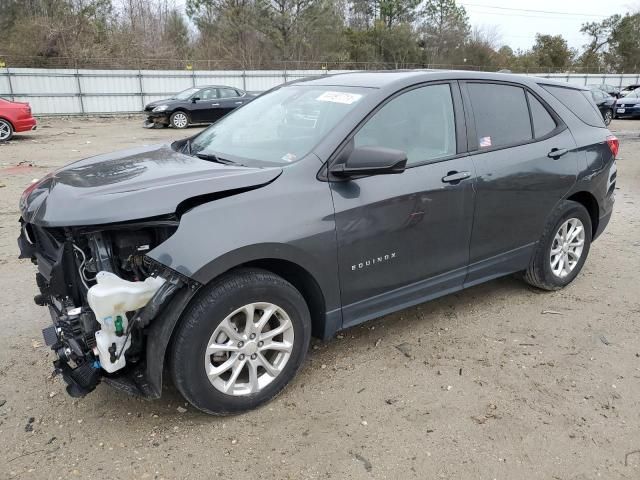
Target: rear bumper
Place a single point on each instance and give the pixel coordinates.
(628, 112)
(25, 124)
(602, 224)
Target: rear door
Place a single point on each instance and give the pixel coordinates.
(229, 100)
(405, 237)
(526, 161)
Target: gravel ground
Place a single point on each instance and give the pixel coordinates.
(497, 382)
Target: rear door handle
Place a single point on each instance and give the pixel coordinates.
(455, 177)
(215, 104)
(556, 153)
(238, 103)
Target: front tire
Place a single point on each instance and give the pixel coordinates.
(608, 116)
(241, 341)
(6, 130)
(179, 120)
(563, 249)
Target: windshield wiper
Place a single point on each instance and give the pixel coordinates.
(212, 157)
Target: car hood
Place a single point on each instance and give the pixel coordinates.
(155, 103)
(129, 185)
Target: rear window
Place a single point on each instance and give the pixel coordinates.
(543, 122)
(501, 114)
(579, 102)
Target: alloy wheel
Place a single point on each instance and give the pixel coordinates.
(607, 117)
(567, 247)
(180, 120)
(5, 130)
(249, 349)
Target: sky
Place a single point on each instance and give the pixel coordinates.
(517, 21)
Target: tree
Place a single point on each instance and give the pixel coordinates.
(599, 34)
(480, 48)
(176, 34)
(231, 31)
(552, 52)
(445, 28)
(624, 44)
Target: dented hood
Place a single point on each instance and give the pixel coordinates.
(130, 185)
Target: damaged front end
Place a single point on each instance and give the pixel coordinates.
(103, 292)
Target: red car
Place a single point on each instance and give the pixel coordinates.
(14, 117)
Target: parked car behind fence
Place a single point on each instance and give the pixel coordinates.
(195, 105)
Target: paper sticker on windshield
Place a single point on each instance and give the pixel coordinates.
(339, 97)
(289, 157)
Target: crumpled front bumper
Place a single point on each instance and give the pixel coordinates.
(156, 118)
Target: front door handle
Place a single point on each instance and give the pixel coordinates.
(455, 177)
(238, 103)
(215, 104)
(556, 153)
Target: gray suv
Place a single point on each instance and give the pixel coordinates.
(321, 204)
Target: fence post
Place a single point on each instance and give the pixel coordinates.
(79, 86)
(13, 99)
(193, 77)
(141, 88)
(244, 80)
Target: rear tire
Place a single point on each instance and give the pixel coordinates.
(179, 119)
(563, 248)
(215, 341)
(6, 130)
(608, 116)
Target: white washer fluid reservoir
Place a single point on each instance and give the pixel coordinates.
(110, 299)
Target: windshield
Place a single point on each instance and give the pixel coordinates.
(633, 94)
(279, 127)
(185, 94)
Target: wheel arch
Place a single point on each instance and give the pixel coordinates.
(8, 120)
(324, 323)
(180, 109)
(303, 281)
(588, 201)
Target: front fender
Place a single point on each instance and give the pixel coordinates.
(289, 219)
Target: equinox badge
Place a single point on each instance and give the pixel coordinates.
(373, 261)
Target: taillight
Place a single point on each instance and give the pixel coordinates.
(614, 145)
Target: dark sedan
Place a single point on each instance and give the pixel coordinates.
(195, 105)
(629, 105)
(610, 89)
(605, 102)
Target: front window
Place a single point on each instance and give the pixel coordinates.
(185, 94)
(280, 127)
(420, 123)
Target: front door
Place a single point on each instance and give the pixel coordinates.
(205, 104)
(403, 238)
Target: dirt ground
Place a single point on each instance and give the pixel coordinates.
(497, 382)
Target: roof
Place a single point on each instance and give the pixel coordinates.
(395, 78)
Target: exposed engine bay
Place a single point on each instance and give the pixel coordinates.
(101, 291)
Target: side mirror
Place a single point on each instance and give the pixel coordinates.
(195, 99)
(371, 161)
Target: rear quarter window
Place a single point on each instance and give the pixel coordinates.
(543, 122)
(580, 102)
